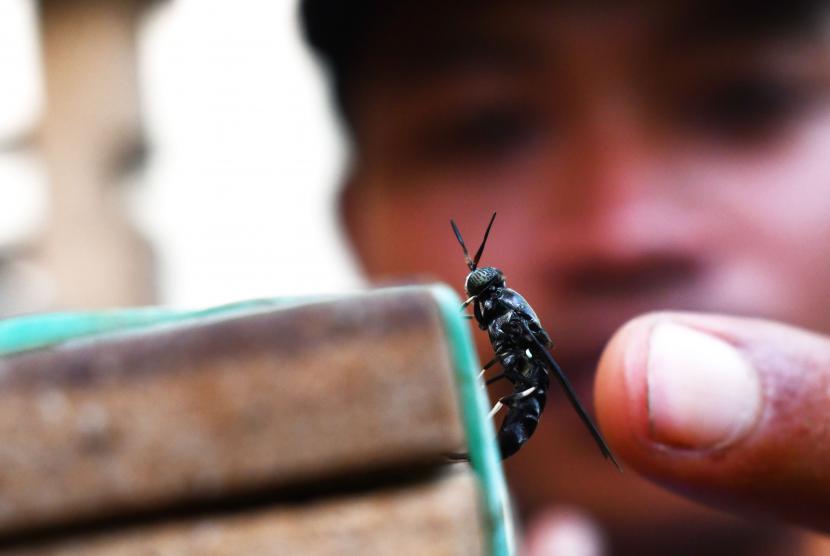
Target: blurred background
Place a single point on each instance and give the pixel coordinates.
(178, 153)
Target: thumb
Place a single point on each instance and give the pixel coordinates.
(563, 533)
(732, 412)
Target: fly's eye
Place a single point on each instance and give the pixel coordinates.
(475, 281)
(481, 279)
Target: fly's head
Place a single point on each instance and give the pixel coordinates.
(481, 279)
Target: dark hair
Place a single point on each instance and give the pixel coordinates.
(335, 30)
(340, 32)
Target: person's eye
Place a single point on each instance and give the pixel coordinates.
(747, 109)
(484, 133)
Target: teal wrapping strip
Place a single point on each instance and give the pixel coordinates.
(481, 437)
(41, 331)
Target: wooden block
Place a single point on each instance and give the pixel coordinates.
(137, 421)
(441, 516)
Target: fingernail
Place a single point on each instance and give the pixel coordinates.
(702, 392)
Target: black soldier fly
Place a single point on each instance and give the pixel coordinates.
(521, 346)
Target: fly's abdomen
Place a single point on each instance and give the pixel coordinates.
(520, 423)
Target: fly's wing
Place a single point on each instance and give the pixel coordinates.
(542, 351)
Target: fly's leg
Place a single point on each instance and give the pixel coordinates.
(464, 307)
(489, 364)
(510, 400)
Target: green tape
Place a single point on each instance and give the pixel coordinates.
(40, 331)
(481, 437)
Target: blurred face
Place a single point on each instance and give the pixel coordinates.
(637, 160)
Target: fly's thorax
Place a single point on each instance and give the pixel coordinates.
(524, 366)
(479, 280)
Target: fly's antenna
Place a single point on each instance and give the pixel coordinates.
(483, 241)
(472, 264)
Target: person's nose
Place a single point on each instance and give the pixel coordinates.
(620, 222)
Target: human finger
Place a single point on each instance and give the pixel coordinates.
(732, 412)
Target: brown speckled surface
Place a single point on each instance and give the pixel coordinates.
(439, 517)
(140, 421)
